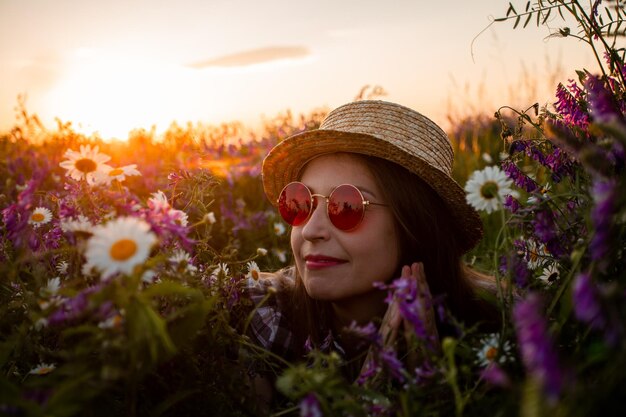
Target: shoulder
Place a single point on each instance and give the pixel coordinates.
(269, 324)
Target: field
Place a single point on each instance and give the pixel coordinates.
(154, 324)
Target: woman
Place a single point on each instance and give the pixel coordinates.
(370, 198)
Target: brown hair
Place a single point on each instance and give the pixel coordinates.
(426, 234)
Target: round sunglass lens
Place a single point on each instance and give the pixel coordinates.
(345, 207)
(294, 203)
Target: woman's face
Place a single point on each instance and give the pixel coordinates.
(337, 265)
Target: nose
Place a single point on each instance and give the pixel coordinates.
(318, 226)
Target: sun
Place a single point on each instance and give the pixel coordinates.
(113, 94)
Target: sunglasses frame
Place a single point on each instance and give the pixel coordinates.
(364, 203)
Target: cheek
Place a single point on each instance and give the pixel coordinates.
(296, 243)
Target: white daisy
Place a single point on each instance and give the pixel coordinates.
(41, 323)
(52, 288)
(179, 217)
(40, 216)
(62, 267)
(280, 254)
(253, 271)
(149, 277)
(487, 158)
(490, 350)
(88, 164)
(180, 257)
(222, 269)
(114, 321)
(120, 174)
(80, 225)
(119, 246)
(487, 189)
(536, 198)
(42, 369)
(536, 255)
(261, 251)
(158, 200)
(210, 218)
(550, 274)
(279, 229)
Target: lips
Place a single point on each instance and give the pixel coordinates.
(314, 262)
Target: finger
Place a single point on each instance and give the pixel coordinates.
(391, 323)
(428, 312)
(406, 271)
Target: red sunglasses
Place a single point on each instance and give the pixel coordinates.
(345, 205)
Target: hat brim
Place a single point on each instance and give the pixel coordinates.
(285, 161)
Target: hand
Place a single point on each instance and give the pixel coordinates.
(393, 322)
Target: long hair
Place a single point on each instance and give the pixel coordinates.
(425, 233)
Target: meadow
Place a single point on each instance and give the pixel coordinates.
(123, 265)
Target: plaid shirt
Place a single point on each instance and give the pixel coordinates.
(269, 327)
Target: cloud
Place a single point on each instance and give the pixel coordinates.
(254, 56)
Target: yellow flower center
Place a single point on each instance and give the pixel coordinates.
(491, 353)
(44, 370)
(255, 274)
(489, 190)
(123, 249)
(37, 217)
(115, 172)
(85, 165)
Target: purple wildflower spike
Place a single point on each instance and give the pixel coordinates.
(604, 193)
(310, 406)
(536, 346)
(586, 301)
(569, 105)
(494, 375)
(602, 103)
(519, 178)
(511, 203)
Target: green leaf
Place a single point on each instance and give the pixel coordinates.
(172, 400)
(188, 321)
(510, 10)
(147, 330)
(528, 20)
(168, 288)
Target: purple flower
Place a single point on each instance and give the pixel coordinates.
(310, 406)
(392, 364)
(73, 308)
(519, 178)
(604, 193)
(494, 375)
(371, 369)
(536, 346)
(515, 265)
(602, 103)
(569, 105)
(511, 203)
(369, 332)
(560, 164)
(425, 372)
(413, 306)
(544, 226)
(586, 301)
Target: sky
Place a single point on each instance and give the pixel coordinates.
(116, 65)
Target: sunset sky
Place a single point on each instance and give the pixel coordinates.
(111, 66)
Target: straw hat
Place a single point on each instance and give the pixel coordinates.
(385, 130)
